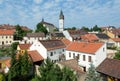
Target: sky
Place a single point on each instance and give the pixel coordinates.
(77, 13)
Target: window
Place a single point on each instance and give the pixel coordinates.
(103, 49)
(9, 36)
(51, 53)
(73, 55)
(2, 37)
(54, 52)
(0, 65)
(6, 41)
(78, 56)
(63, 50)
(10, 41)
(83, 57)
(69, 54)
(6, 37)
(89, 59)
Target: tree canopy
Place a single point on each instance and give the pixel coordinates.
(117, 55)
(41, 28)
(92, 75)
(52, 72)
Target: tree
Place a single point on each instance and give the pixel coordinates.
(92, 75)
(14, 45)
(96, 28)
(52, 72)
(85, 28)
(20, 66)
(2, 77)
(117, 55)
(41, 28)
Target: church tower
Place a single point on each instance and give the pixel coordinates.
(61, 21)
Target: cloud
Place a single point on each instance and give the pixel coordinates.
(38, 1)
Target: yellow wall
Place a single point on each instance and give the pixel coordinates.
(111, 35)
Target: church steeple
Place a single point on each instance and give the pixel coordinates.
(61, 15)
(61, 21)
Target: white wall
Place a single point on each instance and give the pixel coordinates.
(101, 54)
(40, 48)
(67, 35)
(96, 58)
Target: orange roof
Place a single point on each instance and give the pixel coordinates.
(89, 37)
(24, 46)
(66, 41)
(6, 32)
(35, 56)
(84, 47)
(116, 39)
(7, 62)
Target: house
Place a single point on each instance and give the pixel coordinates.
(112, 32)
(73, 34)
(50, 27)
(31, 37)
(66, 41)
(110, 69)
(5, 64)
(57, 35)
(21, 48)
(52, 49)
(89, 38)
(116, 42)
(86, 53)
(102, 37)
(6, 37)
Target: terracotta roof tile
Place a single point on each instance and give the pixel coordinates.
(84, 47)
(110, 67)
(6, 32)
(66, 41)
(89, 37)
(35, 56)
(7, 62)
(52, 44)
(24, 46)
(116, 39)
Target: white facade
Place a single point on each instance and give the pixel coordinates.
(31, 40)
(52, 54)
(6, 39)
(86, 58)
(61, 25)
(67, 35)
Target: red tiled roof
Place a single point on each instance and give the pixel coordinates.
(110, 67)
(7, 62)
(89, 37)
(66, 41)
(6, 32)
(116, 39)
(84, 47)
(24, 46)
(35, 56)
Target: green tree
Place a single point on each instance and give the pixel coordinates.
(92, 75)
(2, 77)
(85, 28)
(14, 45)
(52, 72)
(117, 55)
(25, 64)
(96, 28)
(41, 28)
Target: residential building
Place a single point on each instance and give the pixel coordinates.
(74, 34)
(57, 35)
(109, 69)
(32, 37)
(52, 49)
(86, 53)
(115, 42)
(6, 37)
